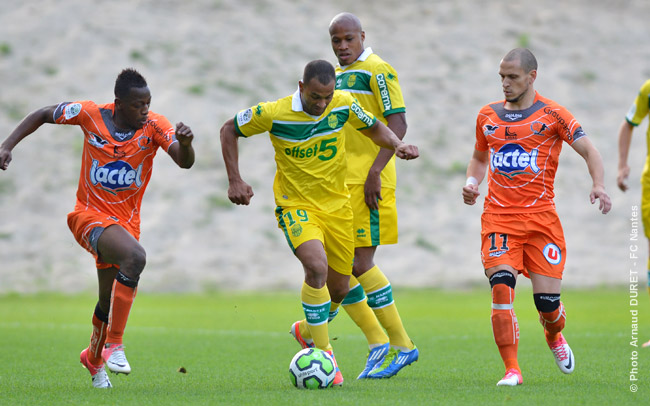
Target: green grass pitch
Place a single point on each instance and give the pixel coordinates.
(236, 349)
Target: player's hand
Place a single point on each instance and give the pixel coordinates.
(470, 193)
(372, 190)
(407, 151)
(5, 158)
(621, 179)
(184, 134)
(240, 192)
(598, 192)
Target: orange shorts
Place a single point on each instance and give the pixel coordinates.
(527, 242)
(82, 223)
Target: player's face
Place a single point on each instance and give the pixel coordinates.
(515, 82)
(316, 96)
(131, 112)
(347, 42)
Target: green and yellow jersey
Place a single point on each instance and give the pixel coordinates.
(638, 111)
(310, 151)
(374, 83)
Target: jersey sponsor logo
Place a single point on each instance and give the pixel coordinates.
(96, 141)
(244, 117)
(497, 253)
(513, 159)
(489, 129)
(325, 150)
(361, 115)
(560, 120)
(383, 91)
(552, 254)
(115, 176)
(510, 135)
(72, 110)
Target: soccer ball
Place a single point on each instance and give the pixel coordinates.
(312, 368)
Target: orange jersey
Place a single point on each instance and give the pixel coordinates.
(524, 148)
(116, 166)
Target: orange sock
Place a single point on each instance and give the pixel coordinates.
(98, 337)
(122, 298)
(553, 323)
(504, 324)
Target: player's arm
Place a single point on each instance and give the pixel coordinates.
(29, 124)
(475, 173)
(624, 141)
(385, 138)
(372, 187)
(586, 149)
(239, 192)
(182, 152)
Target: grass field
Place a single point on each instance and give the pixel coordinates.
(236, 349)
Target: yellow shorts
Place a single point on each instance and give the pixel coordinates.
(374, 227)
(527, 242)
(645, 203)
(334, 230)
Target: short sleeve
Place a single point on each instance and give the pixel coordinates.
(255, 120)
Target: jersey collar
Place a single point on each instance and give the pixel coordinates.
(364, 55)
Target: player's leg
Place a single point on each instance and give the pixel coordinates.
(647, 344)
(545, 255)
(505, 327)
(117, 246)
(552, 316)
(356, 306)
(91, 356)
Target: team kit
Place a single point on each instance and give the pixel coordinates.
(336, 139)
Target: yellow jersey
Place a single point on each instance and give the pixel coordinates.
(374, 83)
(310, 152)
(639, 110)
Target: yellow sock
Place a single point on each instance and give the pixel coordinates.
(304, 329)
(356, 305)
(316, 305)
(380, 300)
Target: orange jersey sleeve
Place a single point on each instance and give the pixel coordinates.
(524, 148)
(116, 165)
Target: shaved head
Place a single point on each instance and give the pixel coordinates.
(526, 59)
(350, 20)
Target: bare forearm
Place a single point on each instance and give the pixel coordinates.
(230, 151)
(397, 124)
(624, 141)
(29, 124)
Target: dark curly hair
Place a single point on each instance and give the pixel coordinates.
(126, 80)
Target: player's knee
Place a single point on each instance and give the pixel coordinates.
(503, 277)
(134, 262)
(546, 302)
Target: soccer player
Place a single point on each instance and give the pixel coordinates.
(371, 179)
(638, 111)
(519, 139)
(313, 202)
(120, 142)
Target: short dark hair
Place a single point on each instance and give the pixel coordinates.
(319, 69)
(126, 80)
(526, 59)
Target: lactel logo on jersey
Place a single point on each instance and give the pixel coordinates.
(513, 157)
(115, 175)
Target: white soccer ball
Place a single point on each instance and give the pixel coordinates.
(312, 368)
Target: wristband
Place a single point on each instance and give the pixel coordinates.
(471, 181)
